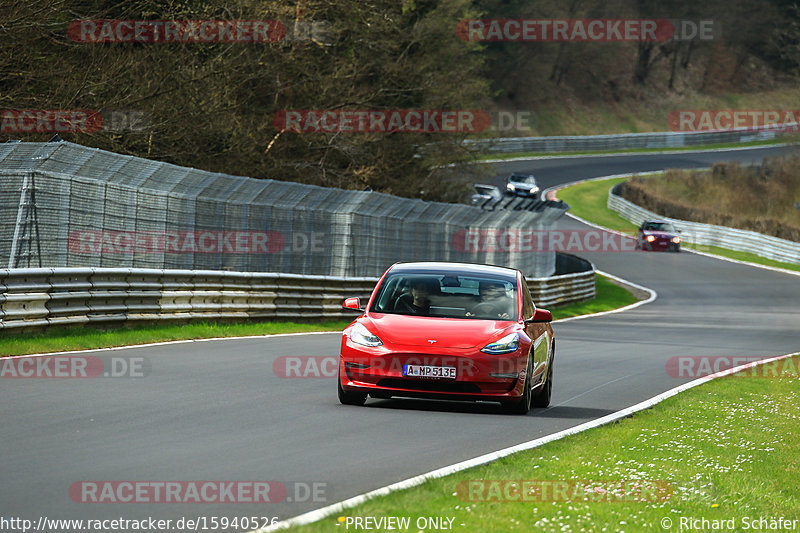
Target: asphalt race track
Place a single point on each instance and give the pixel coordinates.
(216, 411)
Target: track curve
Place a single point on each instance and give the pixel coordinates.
(215, 410)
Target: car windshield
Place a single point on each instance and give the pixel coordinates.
(446, 295)
(522, 179)
(659, 226)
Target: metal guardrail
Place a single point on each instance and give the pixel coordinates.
(708, 234)
(564, 289)
(72, 296)
(627, 141)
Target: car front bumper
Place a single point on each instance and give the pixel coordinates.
(479, 376)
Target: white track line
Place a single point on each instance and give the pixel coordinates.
(651, 298)
(336, 508)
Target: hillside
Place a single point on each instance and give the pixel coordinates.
(764, 199)
(221, 105)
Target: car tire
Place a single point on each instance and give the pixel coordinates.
(523, 405)
(541, 398)
(350, 398)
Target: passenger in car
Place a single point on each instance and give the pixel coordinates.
(493, 301)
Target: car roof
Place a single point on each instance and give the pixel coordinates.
(456, 269)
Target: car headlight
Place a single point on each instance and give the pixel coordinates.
(508, 344)
(650, 238)
(510, 187)
(676, 240)
(359, 334)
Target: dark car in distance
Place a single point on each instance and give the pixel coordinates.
(658, 235)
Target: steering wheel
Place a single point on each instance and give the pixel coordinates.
(485, 309)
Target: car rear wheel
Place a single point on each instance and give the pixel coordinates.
(350, 398)
(542, 397)
(523, 405)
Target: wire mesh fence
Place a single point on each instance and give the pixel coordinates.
(66, 205)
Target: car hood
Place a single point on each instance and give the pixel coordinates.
(659, 233)
(447, 332)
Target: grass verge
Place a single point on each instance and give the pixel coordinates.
(741, 256)
(722, 451)
(78, 338)
(588, 201)
(609, 296)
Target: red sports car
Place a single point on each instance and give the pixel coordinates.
(658, 235)
(452, 331)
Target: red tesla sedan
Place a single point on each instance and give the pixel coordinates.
(452, 331)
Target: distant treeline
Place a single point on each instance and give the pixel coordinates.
(207, 84)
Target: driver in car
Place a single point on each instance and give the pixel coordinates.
(493, 301)
(418, 303)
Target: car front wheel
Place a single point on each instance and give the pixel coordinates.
(523, 405)
(350, 398)
(542, 397)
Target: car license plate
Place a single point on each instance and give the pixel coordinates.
(423, 371)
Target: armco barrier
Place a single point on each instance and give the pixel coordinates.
(72, 296)
(708, 234)
(626, 141)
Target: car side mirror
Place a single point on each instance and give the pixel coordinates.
(353, 304)
(540, 316)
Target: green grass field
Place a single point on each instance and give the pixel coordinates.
(82, 338)
(609, 296)
(725, 450)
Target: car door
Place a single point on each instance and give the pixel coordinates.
(536, 332)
